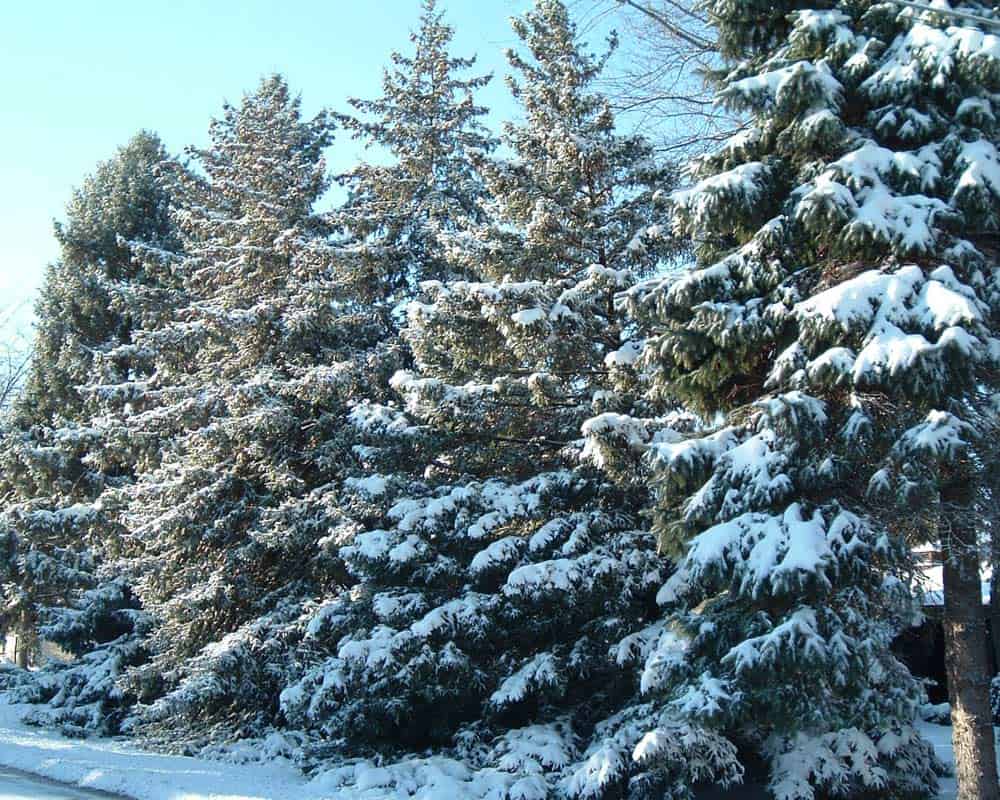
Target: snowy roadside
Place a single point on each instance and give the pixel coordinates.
(116, 767)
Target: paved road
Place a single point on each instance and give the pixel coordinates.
(16, 785)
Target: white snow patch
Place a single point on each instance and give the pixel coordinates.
(123, 769)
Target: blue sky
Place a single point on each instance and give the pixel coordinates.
(80, 78)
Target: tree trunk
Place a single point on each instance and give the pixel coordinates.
(22, 639)
(995, 605)
(993, 517)
(967, 661)
(21, 652)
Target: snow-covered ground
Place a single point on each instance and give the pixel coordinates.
(116, 767)
(940, 737)
(15, 785)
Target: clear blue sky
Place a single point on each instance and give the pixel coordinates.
(80, 78)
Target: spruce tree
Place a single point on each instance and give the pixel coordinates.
(428, 125)
(576, 193)
(837, 339)
(501, 586)
(123, 202)
(55, 460)
(240, 421)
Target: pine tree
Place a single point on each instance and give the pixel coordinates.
(576, 193)
(571, 219)
(428, 125)
(54, 460)
(123, 201)
(837, 339)
(241, 421)
(502, 587)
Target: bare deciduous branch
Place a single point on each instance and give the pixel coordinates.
(15, 356)
(659, 80)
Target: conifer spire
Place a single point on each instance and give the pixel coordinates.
(400, 216)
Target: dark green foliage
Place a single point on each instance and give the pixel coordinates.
(125, 201)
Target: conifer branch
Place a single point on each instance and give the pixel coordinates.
(945, 12)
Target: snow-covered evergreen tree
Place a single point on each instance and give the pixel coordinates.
(576, 193)
(240, 422)
(835, 337)
(78, 317)
(55, 460)
(572, 220)
(427, 124)
(503, 588)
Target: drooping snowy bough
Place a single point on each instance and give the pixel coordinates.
(838, 338)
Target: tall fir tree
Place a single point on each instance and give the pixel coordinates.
(838, 340)
(123, 202)
(501, 586)
(571, 218)
(428, 125)
(241, 421)
(55, 459)
(576, 193)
